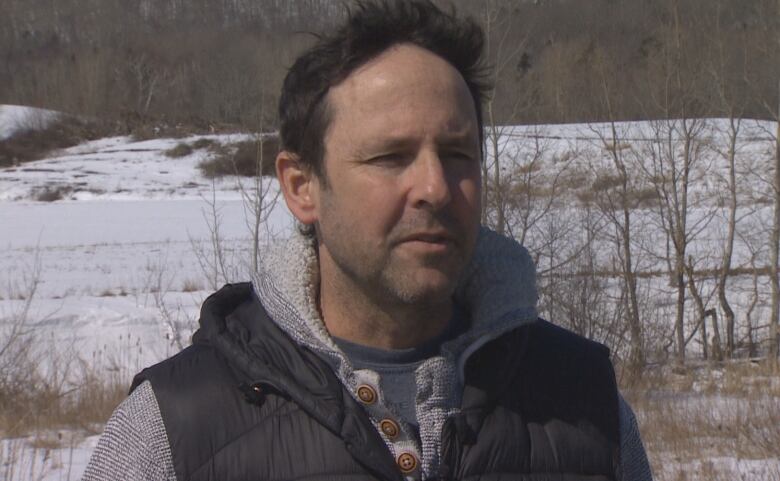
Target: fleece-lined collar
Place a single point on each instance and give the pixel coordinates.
(497, 288)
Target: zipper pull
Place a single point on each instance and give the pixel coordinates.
(253, 393)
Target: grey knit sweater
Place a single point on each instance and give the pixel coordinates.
(498, 289)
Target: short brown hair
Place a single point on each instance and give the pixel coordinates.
(371, 28)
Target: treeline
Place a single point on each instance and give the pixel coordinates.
(207, 62)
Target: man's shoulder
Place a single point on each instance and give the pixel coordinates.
(219, 306)
(569, 341)
(201, 363)
(543, 339)
(540, 353)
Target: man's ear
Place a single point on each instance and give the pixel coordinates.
(299, 187)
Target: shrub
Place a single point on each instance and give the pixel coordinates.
(51, 193)
(182, 149)
(203, 143)
(242, 158)
(34, 144)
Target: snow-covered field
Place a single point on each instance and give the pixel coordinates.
(131, 226)
(118, 264)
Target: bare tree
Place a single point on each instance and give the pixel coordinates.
(730, 102)
(702, 314)
(617, 196)
(669, 162)
(533, 181)
(212, 255)
(259, 200)
(261, 196)
(731, 226)
(149, 77)
(755, 291)
(504, 46)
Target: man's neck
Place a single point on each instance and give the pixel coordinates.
(351, 315)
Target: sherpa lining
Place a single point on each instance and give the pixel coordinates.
(497, 288)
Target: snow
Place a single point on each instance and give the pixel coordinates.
(130, 236)
(17, 118)
(50, 456)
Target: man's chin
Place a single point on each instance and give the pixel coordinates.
(427, 288)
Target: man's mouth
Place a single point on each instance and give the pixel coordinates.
(433, 241)
(436, 236)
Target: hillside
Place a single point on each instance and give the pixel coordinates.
(552, 61)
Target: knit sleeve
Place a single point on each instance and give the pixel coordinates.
(633, 459)
(134, 445)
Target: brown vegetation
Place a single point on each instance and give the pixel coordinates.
(34, 143)
(690, 415)
(52, 193)
(180, 150)
(247, 158)
(40, 404)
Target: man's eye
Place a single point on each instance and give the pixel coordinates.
(391, 158)
(458, 156)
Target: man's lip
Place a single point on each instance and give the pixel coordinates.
(432, 237)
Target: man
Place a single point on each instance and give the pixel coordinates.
(393, 338)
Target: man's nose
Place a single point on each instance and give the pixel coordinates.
(430, 183)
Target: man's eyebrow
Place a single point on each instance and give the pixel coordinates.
(460, 138)
(389, 143)
(464, 138)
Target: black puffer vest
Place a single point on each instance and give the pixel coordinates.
(245, 402)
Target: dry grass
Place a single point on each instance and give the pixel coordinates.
(44, 405)
(191, 285)
(693, 419)
(44, 388)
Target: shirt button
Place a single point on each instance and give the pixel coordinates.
(407, 462)
(389, 427)
(366, 394)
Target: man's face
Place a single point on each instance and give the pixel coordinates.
(399, 213)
